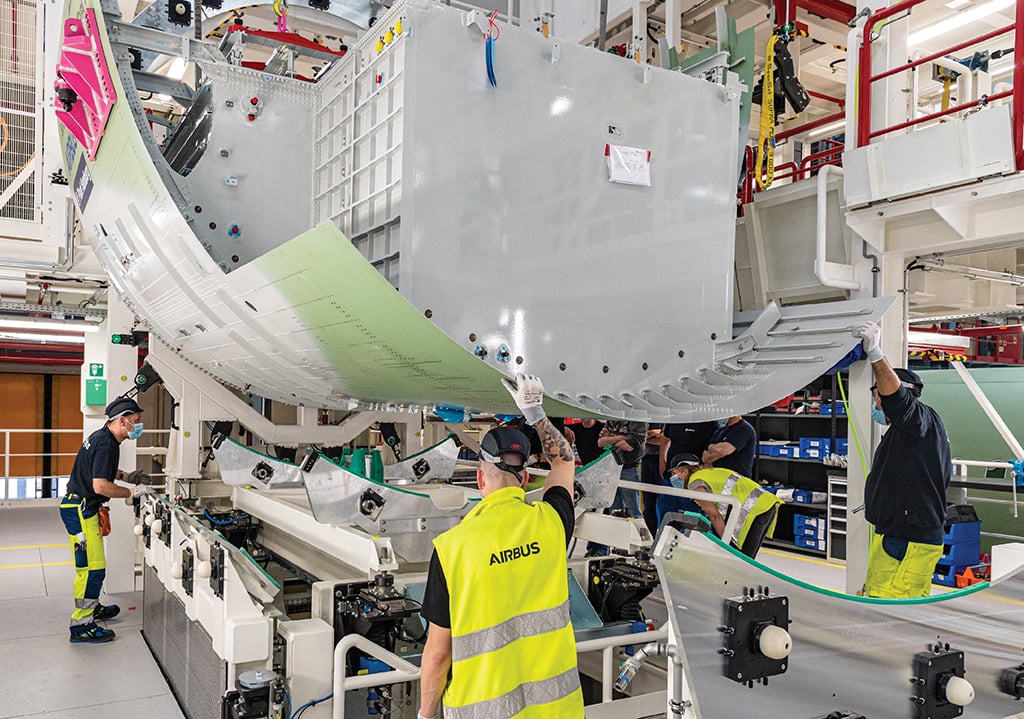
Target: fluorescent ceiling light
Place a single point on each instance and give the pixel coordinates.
(44, 339)
(957, 21)
(44, 324)
(957, 4)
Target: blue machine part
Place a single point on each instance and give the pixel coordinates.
(1017, 471)
(450, 413)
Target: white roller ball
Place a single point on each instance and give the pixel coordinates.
(775, 642)
(176, 570)
(158, 526)
(148, 519)
(959, 691)
(138, 530)
(203, 569)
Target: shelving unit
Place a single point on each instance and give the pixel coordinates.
(837, 506)
(807, 474)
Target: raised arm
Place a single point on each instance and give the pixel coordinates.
(528, 392)
(886, 380)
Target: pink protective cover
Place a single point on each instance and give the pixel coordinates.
(83, 68)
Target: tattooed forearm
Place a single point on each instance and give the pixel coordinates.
(554, 443)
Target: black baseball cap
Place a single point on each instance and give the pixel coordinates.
(504, 440)
(121, 407)
(908, 378)
(684, 459)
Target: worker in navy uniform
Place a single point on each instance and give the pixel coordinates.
(905, 493)
(732, 446)
(90, 486)
(497, 594)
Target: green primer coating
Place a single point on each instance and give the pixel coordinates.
(355, 318)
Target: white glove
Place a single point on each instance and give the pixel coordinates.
(141, 489)
(871, 336)
(528, 392)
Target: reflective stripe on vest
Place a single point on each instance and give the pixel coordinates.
(513, 649)
(720, 480)
(525, 625)
(523, 696)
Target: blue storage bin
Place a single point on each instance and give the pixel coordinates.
(810, 543)
(789, 450)
(963, 533)
(810, 531)
(962, 553)
(842, 446)
(945, 573)
(820, 443)
(825, 408)
(839, 409)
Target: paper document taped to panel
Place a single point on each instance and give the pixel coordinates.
(628, 165)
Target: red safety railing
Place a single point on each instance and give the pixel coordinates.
(833, 155)
(866, 79)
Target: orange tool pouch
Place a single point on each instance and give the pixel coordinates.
(104, 516)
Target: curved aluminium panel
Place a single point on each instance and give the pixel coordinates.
(537, 252)
(437, 462)
(242, 466)
(411, 518)
(849, 653)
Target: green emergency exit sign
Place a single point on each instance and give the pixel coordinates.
(95, 369)
(95, 391)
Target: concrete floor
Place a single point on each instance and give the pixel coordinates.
(40, 671)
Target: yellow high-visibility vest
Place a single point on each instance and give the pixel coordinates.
(513, 649)
(754, 501)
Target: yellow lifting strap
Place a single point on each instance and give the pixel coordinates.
(766, 135)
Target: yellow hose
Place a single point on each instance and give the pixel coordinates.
(766, 134)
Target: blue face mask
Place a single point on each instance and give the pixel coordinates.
(721, 422)
(879, 416)
(136, 431)
(677, 482)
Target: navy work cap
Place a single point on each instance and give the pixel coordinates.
(504, 440)
(121, 407)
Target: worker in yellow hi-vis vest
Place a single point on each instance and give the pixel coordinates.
(758, 509)
(497, 595)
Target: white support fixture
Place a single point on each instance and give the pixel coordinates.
(673, 23)
(369, 555)
(403, 671)
(639, 47)
(625, 533)
(201, 399)
(607, 647)
(733, 502)
(830, 274)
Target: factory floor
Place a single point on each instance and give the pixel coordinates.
(41, 673)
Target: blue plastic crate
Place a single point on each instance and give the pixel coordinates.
(820, 443)
(963, 533)
(966, 553)
(810, 543)
(789, 450)
(825, 408)
(945, 573)
(801, 521)
(842, 446)
(807, 530)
